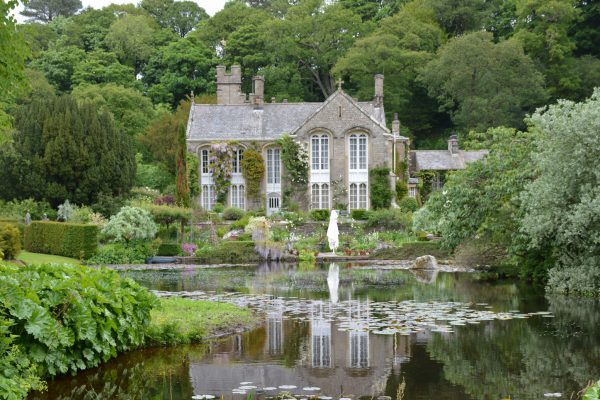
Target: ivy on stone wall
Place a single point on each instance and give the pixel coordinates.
(253, 169)
(381, 191)
(294, 157)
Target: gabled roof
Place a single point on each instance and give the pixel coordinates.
(442, 159)
(267, 122)
(366, 108)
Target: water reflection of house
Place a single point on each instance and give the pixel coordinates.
(349, 362)
(275, 327)
(320, 336)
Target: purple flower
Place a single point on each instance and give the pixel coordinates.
(189, 248)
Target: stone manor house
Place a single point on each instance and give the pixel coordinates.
(344, 139)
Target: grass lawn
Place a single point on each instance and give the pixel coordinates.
(37, 258)
(182, 321)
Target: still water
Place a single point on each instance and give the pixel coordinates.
(364, 334)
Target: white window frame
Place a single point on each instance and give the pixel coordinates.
(412, 191)
(320, 196)
(273, 166)
(208, 196)
(319, 144)
(205, 162)
(358, 145)
(236, 161)
(238, 196)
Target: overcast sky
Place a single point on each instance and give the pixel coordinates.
(211, 6)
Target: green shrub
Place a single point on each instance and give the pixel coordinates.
(131, 223)
(10, 241)
(121, 253)
(218, 208)
(389, 219)
(381, 191)
(233, 214)
(229, 252)
(319, 215)
(410, 251)
(593, 392)
(359, 215)
(401, 190)
(167, 215)
(408, 204)
(61, 239)
(241, 223)
(18, 209)
(19, 225)
(169, 249)
(69, 318)
(18, 374)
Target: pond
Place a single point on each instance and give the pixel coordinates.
(375, 331)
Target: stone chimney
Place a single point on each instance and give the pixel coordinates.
(229, 85)
(258, 84)
(378, 98)
(453, 145)
(396, 125)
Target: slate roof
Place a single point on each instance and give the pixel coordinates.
(443, 159)
(247, 122)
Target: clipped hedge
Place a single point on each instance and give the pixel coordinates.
(169, 249)
(359, 214)
(69, 318)
(61, 239)
(319, 215)
(231, 252)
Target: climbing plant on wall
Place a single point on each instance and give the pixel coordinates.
(294, 157)
(253, 169)
(220, 164)
(381, 192)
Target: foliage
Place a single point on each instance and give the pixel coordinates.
(193, 179)
(37, 258)
(408, 204)
(46, 11)
(131, 39)
(593, 392)
(65, 211)
(233, 214)
(561, 205)
(63, 149)
(483, 199)
(70, 318)
(189, 248)
(18, 209)
(319, 215)
(182, 194)
(161, 137)
(18, 374)
(393, 218)
(62, 239)
(460, 79)
(151, 175)
(402, 43)
(220, 164)
(14, 52)
(129, 224)
(294, 158)
(135, 252)
(381, 192)
(253, 170)
(169, 249)
(359, 215)
(182, 321)
(229, 252)
(401, 190)
(10, 241)
(108, 205)
(410, 251)
(132, 111)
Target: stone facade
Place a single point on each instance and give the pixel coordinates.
(344, 138)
